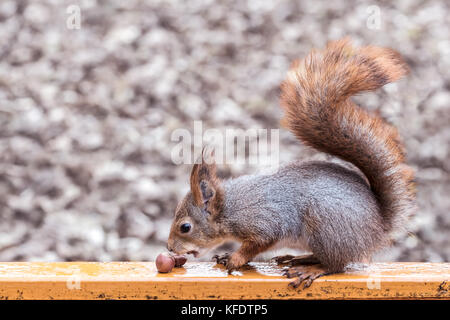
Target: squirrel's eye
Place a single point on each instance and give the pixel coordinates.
(185, 227)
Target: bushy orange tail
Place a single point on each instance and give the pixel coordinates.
(315, 98)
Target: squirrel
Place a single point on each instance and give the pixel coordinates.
(341, 215)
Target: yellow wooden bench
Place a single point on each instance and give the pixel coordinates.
(140, 280)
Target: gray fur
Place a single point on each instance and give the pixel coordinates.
(325, 206)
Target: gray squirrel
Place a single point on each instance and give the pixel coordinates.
(339, 214)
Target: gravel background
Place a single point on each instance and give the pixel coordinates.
(86, 115)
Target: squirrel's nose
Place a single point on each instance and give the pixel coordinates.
(169, 247)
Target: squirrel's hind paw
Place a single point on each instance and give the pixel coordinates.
(282, 259)
(307, 259)
(305, 274)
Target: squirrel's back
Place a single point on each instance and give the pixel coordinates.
(318, 110)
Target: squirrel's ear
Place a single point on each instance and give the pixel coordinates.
(207, 191)
(205, 187)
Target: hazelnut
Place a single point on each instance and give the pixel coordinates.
(164, 262)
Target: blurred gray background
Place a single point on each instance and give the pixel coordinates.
(86, 114)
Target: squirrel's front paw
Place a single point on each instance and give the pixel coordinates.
(222, 259)
(235, 262)
(231, 262)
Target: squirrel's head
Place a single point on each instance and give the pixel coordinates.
(194, 229)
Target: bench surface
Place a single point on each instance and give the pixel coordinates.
(140, 280)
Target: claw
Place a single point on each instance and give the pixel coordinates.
(223, 259)
(294, 284)
(305, 275)
(230, 269)
(307, 283)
